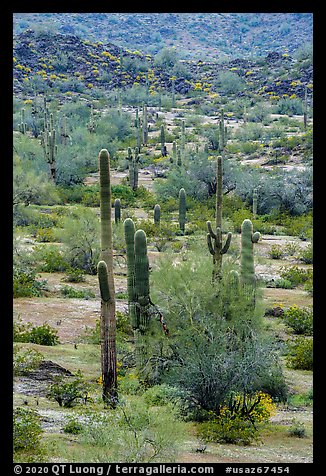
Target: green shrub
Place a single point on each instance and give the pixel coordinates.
(276, 252)
(24, 361)
(300, 320)
(42, 335)
(239, 421)
(306, 256)
(300, 353)
(74, 276)
(70, 292)
(296, 275)
(27, 430)
(161, 395)
(45, 235)
(50, 259)
(297, 429)
(25, 283)
(73, 427)
(68, 392)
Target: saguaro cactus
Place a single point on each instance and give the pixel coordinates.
(48, 142)
(145, 125)
(117, 210)
(182, 209)
(173, 91)
(142, 278)
(106, 281)
(214, 240)
(163, 147)
(183, 139)
(248, 238)
(129, 231)
(22, 125)
(157, 214)
(133, 168)
(254, 202)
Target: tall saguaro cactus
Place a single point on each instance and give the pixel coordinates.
(214, 239)
(129, 232)
(106, 282)
(182, 209)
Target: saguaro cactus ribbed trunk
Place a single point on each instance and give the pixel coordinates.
(214, 239)
(254, 202)
(248, 279)
(106, 281)
(129, 231)
(182, 209)
(157, 214)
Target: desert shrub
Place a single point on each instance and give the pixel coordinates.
(73, 426)
(161, 395)
(42, 335)
(297, 429)
(70, 391)
(129, 384)
(25, 283)
(301, 226)
(45, 235)
(300, 353)
(70, 292)
(281, 283)
(74, 276)
(296, 275)
(306, 255)
(80, 237)
(25, 361)
(276, 252)
(134, 433)
(49, 259)
(27, 430)
(300, 320)
(236, 356)
(290, 248)
(239, 422)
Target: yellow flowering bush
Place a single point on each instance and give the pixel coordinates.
(239, 422)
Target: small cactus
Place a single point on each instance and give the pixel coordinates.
(117, 211)
(254, 202)
(182, 209)
(157, 214)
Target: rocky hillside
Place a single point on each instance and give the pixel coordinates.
(195, 35)
(52, 60)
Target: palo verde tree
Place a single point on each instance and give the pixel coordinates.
(106, 282)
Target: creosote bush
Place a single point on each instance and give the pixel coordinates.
(42, 335)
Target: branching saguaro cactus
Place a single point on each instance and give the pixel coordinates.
(248, 238)
(182, 209)
(106, 281)
(214, 239)
(117, 210)
(157, 214)
(48, 142)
